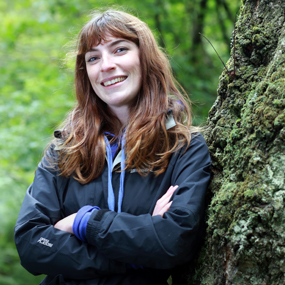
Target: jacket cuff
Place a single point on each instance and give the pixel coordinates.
(93, 225)
(80, 221)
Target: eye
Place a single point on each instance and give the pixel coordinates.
(92, 59)
(121, 49)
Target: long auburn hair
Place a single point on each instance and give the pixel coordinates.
(149, 145)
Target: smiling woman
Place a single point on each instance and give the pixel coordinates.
(114, 71)
(118, 197)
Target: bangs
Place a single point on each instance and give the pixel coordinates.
(99, 29)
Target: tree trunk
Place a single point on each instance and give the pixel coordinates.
(245, 239)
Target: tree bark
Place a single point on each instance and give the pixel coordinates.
(245, 239)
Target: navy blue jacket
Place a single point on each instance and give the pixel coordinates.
(115, 240)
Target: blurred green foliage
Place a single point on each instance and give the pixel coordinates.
(36, 86)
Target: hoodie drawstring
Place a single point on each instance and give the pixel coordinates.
(111, 195)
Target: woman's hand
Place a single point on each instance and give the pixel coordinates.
(66, 224)
(162, 205)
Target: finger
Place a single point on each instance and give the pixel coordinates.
(166, 197)
(66, 224)
(165, 209)
(169, 192)
(163, 201)
(172, 188)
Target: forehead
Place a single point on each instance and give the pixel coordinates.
(110, 41)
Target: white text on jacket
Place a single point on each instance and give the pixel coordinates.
(45, 241)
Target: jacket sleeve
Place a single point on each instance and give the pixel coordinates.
(160, 242)
(46, 250)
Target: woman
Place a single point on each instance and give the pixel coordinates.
(131, 217)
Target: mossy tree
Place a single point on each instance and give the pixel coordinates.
(245, 239)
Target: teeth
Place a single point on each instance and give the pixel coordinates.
(113, 81)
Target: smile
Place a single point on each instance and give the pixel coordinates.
(113, 81)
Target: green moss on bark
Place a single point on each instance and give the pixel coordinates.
(245, 241)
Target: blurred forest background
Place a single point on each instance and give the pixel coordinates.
(36, 83)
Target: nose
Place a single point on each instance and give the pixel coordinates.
(107, 63)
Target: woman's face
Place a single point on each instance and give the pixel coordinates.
(114, 70)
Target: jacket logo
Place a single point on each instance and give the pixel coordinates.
(45, 242)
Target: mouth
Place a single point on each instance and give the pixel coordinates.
(114, 81)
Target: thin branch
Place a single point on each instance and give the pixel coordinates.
(216, 52)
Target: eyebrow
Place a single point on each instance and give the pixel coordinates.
(109, 44)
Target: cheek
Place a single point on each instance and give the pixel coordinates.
(139, 75)
(92, 78)
(92, 74)
(138, 72)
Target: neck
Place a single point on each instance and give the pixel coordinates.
(122, 114)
